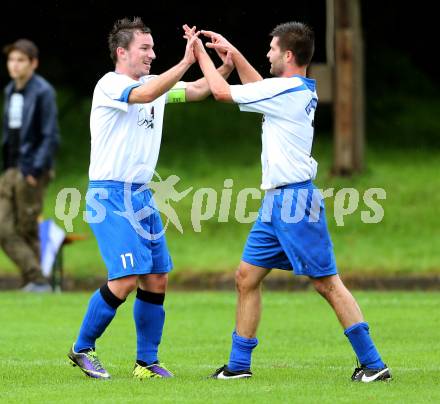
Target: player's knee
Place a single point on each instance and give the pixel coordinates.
(160, 282)
(324, 286)
(243, 279)
(156, 283)
(238, 278)
(122, 287)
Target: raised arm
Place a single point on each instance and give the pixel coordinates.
(218, 85)
(154, 88)
(245, 70)
(198, 90)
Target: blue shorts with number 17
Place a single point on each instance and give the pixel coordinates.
(128, 228)
(291, 233)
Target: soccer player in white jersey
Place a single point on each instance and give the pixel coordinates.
(126, 129)
(291, 231)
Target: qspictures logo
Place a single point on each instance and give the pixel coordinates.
(165, 195)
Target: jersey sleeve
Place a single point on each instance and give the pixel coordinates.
(115, 89)
(263, 96)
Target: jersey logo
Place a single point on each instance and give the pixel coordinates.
(311, 105)
(146, 120)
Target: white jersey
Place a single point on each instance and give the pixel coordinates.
(125, 137)
(288, 105)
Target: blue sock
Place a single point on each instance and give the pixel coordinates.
(363, 345)
(101, 310)
(241, 352)
(149, 317)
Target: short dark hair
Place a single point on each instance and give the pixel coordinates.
(122, 32)
(23, 45)
(298, 38)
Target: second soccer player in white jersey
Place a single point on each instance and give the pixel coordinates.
(291, 230)
(126, 129)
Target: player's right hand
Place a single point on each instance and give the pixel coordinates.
(191, 41)
(189, 33)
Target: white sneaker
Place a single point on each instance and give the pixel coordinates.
(37, 287)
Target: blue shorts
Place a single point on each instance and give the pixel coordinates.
(130, 244)
(291, 233)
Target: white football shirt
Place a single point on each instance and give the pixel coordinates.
(125, 137)
(288, 105)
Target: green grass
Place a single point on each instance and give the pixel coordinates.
(300, 358)
(206, 143)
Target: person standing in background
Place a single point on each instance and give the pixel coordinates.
(30, 140)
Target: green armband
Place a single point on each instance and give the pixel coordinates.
(176, 95)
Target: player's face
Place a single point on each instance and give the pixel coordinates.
(20, 66)
(276, 58)
(140, 54)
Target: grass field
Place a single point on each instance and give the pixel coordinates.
(303, 355)
(206, 143)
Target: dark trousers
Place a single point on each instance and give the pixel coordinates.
(20, 206)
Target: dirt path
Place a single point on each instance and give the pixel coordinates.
(275, 281)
